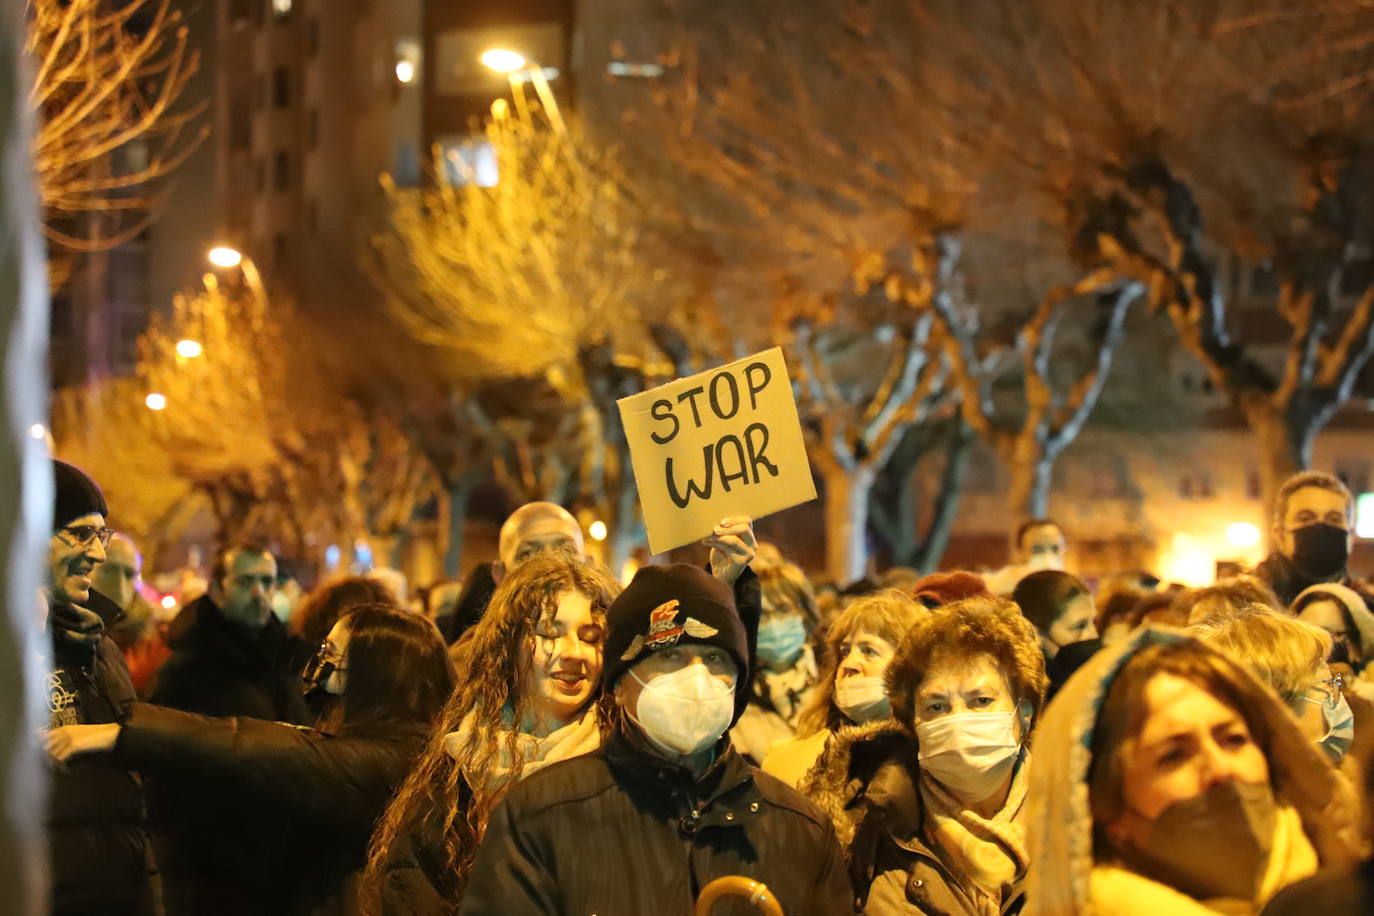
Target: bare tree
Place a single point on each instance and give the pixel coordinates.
(108, 80)
(1179, 150)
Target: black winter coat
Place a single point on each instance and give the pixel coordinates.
(315, 798)
(99, 849)
(220, 669)
(620, 832)
(1287, 581)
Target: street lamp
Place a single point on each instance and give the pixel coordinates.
(189, 349)
(228, 257)
(156, 401)
(504, 60)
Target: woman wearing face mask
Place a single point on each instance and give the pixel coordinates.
(936, 823)
(851, 690)
(786, 677)
(528, 703)
(303, 800)
(1290, 656)
(666, 805)
(1167, 779)
(1342, 612)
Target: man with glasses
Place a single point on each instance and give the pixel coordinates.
(1311, 535)
(99, 850)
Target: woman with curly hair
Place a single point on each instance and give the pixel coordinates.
(528, 703)
(932, 802)
(850, 689)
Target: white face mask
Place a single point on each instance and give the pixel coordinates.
(685, 711)
(1046, 560)
(862, 699)
(969, 753)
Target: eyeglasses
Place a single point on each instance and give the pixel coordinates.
(1330, 690)
(85, 534)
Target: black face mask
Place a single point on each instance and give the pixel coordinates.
(317, 672)
(1320, 551)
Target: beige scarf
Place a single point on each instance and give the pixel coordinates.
(989, 855)
(581, 736)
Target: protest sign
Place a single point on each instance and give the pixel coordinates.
(720, 443)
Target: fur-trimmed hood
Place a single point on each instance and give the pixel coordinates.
(1059, 827)
(851, 758)
(1359, 613)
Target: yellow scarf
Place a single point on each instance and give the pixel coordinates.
(1120, 892)
(988, 854)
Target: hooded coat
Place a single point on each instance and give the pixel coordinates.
(1065, 879)
(97, 842)
(659, 836)
(1359, 614)
(868, 782)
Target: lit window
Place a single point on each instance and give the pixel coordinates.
(470, 162)
(281, 7)
(1364, 515)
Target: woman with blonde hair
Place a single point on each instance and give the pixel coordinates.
(1290, 656)
(850, 689)
(931, 803)
(528, 703)
(1168, 779)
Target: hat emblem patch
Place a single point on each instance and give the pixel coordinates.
(665, 631)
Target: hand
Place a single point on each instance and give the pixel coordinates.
(732, 548)
(66, 741)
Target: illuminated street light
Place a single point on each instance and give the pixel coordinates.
(405, 71)
(155, 401)
(597, 530)
(189, 349)
(1243, 534)
(169, 602)
(503, 60)
(224, 256)
(38, 431)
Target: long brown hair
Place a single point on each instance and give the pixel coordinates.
(399, 672)
(437, 797)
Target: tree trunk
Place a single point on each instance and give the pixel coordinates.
(456, 518)
(1031, 474)
(946, 510)
(846, 520)
(1285, 447)
(25, 520)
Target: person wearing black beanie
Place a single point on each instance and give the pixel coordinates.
(666, 797)
(96, 804)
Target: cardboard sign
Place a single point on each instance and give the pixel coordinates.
(716, 444)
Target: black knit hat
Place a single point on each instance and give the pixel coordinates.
(667, 605)
(75, 495)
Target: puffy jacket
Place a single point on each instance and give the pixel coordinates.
(314, 799)
(220, 669)
(99, 848)
(620, 832)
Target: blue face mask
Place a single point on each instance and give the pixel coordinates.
(1340, 730)
(780, 640)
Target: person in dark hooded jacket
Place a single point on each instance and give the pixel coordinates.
(99, 852)
(666, 798)
(386, 673)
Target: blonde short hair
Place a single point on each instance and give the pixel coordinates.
(1281, 651)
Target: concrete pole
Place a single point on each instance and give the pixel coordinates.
(26, 496)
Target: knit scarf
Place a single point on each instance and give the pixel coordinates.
(988, 854)
(77, 629)
(581, 736)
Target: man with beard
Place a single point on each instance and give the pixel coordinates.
(1312, 535)
(99, 850)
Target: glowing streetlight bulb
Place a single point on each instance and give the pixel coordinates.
(189, 349)
(597, 530)
(169, 602)
(502, 60)
(38, 431)
(405, 71)
(155, 401)
(1243, 534)
(224, 256)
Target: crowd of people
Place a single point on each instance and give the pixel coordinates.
(538, 739)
